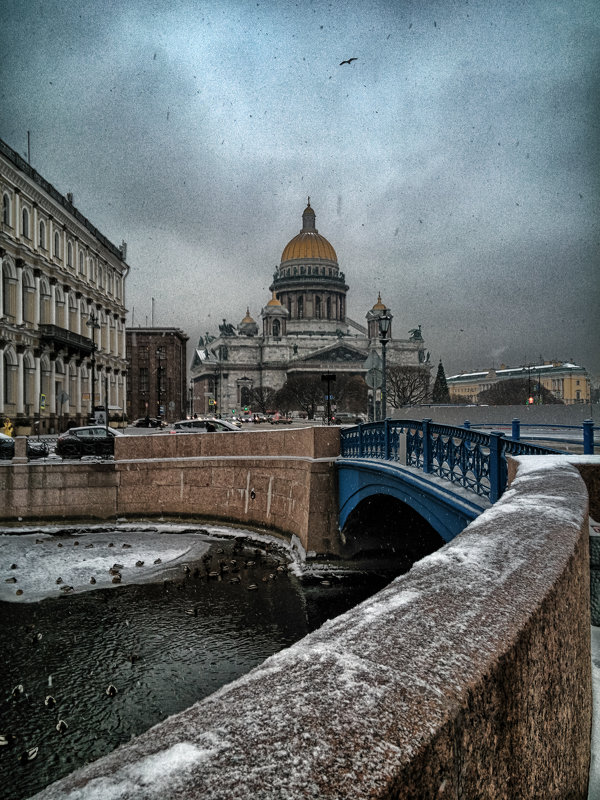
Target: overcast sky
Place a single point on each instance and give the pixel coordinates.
(454, 166)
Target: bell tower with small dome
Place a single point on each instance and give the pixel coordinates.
(308, 282)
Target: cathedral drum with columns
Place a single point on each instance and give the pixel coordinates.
(62, 307)
(305, 333)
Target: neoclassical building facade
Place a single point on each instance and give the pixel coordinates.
(62, 306)
(305, 331)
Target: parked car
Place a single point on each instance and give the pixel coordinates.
(7, 447)
(91, 440)
(149, 422)
(209, 425)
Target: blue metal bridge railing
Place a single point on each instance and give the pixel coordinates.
(473, 459)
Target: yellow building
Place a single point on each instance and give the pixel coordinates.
(568, 382)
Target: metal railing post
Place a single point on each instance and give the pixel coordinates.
(427, 445)
(496, 472)
(467, 425)
(360, 441)
(516, 429)
(588, 437)
(386, 439)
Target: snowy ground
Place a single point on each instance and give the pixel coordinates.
(39, 562)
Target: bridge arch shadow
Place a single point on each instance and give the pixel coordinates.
(382, 527)
(391, 493)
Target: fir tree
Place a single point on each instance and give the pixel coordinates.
(440, 392)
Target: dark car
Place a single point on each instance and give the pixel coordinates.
(7, 447)
(148, 422)
(92, 440)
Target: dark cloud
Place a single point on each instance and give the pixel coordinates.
(453, 166)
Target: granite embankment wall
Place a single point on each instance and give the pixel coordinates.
(470, 676)
(283, 480)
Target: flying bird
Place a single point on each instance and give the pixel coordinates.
(348, 61)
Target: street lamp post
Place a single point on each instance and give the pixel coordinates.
(92, 323)
(159, 358)
(384, 327)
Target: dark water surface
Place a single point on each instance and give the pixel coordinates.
(163, 646)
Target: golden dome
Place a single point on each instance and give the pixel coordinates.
(273, 301)
(247, 319)
(308, 244)
(379, 306)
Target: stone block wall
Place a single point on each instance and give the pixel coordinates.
(283, 480)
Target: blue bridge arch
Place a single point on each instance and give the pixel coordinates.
(447, 511)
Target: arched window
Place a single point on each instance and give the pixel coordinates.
(42, 235)
(25, 224)
(81, 262)
(56, 244)
(276, 327)
(69, 254)
(245, 396)
(6, 209)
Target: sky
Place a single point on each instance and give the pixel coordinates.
(454, 165)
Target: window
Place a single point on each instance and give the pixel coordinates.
(25, 224)
(81, 262)
(57, 245)
(300, 307)
(329, 308)
(276, 327)
(69, 254)
(6, 209)
(318, 307)
(144, 379)
(42, 235)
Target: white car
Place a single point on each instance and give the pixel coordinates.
(210, 425)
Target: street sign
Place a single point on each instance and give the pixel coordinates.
(373, 378)
(373, 360)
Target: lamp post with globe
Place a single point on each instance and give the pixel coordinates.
(93, 323)
(384, 328)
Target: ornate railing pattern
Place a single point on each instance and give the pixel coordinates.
(472, 459)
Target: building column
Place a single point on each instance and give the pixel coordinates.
(67, 311)
(3, 377)
(35, 237)
(38, 299)
(50, 240)
(52, 397)
(19, 309)
(78, 402)
(20, 378)
(53, 301)
(37, 381)
(17, 219)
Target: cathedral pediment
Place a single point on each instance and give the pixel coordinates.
(336, 354)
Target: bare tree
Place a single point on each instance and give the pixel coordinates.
(302, 392)
(350, 392)
(407, 386)
(263, 399)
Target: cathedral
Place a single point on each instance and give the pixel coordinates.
(304, 332)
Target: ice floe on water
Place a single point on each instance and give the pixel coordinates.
(36, 563)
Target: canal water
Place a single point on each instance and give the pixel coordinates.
(162, 645)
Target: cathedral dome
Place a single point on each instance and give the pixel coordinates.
(308, 244)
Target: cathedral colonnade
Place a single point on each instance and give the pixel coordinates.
(62, 313)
